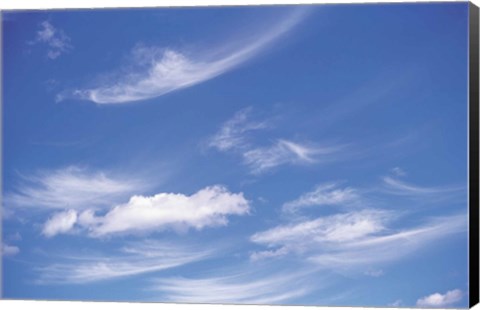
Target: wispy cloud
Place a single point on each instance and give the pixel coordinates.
(209, 207)
(353, 239)
(9, 250)
(361, 238)
(133, 259)
(232, 134)
(398, 172)
(171, 70)
(237, 288)
(285, 152)
(234, 137)
(438, 300)
(330, 230)
(403, 188)
(324, 194)
(398, 187)
(395, 245)
(55, 39)
(70, 188)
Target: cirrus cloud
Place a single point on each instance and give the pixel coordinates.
(70, 188)
(56, 40)
(171, 70)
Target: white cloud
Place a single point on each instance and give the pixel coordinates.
(386, 247)
(61, 222)
(56, 40)
(354, 239)
(269, 254)
(209, 207)
(134, 259)
(170, 70)
(334, 229)
(324, 194)
(231, 135)
(9, 250)
(284, 152)
(440, 300)
(395, 186)
(71, 188)
(237, 288)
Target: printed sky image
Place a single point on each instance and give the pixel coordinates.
(291, 155)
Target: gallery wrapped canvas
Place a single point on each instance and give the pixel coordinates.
(277, 154)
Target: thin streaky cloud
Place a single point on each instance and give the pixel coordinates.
(233, 137)
(71, 188)
(392, 246)
(329, 194)
(172, 70)
(237, 288)
(395, 186)
(336, 228)
(284, 152)
(232, 134)
(353, 239)
(133, 259)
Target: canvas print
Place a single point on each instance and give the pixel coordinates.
(289, 155)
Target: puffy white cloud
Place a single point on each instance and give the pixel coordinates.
(60, 222)
(206, 208)
(9, 250)
(438, 300)
(170, 70)
(133, 259)
(324, 194)
(71, 188)
(56, 40)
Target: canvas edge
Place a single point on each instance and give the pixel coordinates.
(473, 155)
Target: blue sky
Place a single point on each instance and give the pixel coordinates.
(307, 155)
